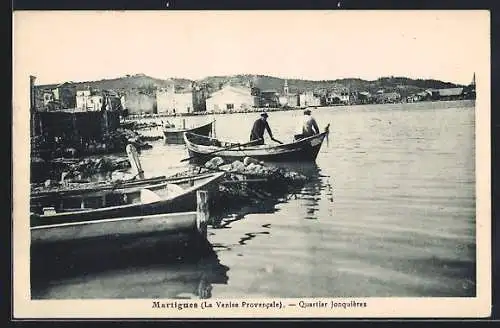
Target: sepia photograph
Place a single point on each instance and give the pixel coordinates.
(251, 163)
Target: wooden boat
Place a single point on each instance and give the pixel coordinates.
(142, 225)
(201, 149)
(176, 135)
(74, 189)
(176, 195)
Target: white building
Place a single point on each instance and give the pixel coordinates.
(309, 99)
(88, 100)
(187, 101)
(231, 98)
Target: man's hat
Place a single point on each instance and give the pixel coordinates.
(264, 114)
(307, 111)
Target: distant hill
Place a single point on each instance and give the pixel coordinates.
(141, 81)
(129, 82)
(402, 85)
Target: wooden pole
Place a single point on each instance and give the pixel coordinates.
(202, 212)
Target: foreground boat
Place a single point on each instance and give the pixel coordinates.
(185, 223)
(173, 196)
(202, 148)
(176, 135)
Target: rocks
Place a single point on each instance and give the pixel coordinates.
(237, 166)
(214, 163)
(257, 169)
(249, 160)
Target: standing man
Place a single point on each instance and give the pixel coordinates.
(309, 126)
(258, 129)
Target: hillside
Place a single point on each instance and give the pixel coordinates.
(403, 85)
(140, 81)
(128, 82)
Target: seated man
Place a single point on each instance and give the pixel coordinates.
(309, 126)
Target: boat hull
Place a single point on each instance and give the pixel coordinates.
(176, 136)
(173, 223)
(184, 202)
(305, 150)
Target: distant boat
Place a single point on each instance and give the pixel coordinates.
(202, 148)
(175, 135)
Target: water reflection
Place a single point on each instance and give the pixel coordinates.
(311, 192)
(175, 268)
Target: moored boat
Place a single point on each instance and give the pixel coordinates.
(202, 148)
(176, 135)
(173, 196)
(74, 189)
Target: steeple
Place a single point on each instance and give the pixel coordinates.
(285, 88)
(473, 83)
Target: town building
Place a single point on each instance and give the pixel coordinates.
(89, 100)
(231, 98)
(169, 100)
(450, 93)
(387, 97)
(138, 101)
(308, 98)
(72, 128)
(338, 96)
(96, 100)
(470, 90)
(289, 99)
(269, 98)
(65, 95)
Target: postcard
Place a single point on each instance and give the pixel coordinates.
(236, 164)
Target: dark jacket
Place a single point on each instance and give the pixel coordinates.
(258, 129)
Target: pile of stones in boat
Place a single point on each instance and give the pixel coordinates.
(253, 168)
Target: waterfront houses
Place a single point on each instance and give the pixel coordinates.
(387, 97)
(172, 101)
(338, 96)
(64, 94)
(269, 98)
(232, 98)
(55, 97)
(309, 99)
(138, 101)
(96, 100)
(89, 100)
(289, 99)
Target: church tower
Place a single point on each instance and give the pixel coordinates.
(285, 88)
(473, 83)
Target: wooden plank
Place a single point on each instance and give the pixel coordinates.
(202, 212)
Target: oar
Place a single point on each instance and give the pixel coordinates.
(222, 149)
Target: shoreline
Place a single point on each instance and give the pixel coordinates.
(134, 117)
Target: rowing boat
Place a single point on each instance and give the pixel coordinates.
(175, 135)
(74, 189)
(173, 196)
(202, 148)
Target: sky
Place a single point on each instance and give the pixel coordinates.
(315, 45)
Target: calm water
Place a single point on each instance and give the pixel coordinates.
(389, 211)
